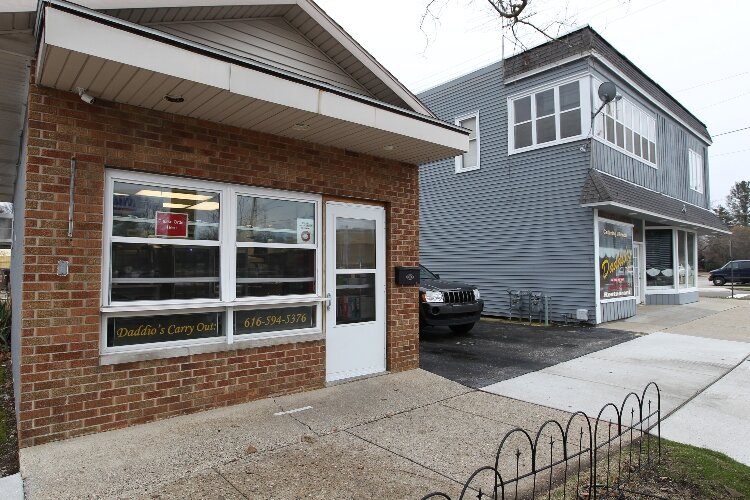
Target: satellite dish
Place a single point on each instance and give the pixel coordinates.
(607, 91)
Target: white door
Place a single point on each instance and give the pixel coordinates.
(638, 285)
(355, 286)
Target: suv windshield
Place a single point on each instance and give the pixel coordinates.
(426, 274)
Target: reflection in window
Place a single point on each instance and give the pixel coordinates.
(275, 271)
(135, 207)
(355, 298)
(659, 258)
(142, 271)
(265, 220)
(355, 244)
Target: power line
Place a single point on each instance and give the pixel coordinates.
(725, 100)
(731, 152)
(714, 81)
(731, 132)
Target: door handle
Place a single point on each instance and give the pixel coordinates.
(328, 302)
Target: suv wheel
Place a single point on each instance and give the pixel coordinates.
(461, 329)
(719, 281)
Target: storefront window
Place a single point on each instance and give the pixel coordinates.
(173, 248)
(276, 247)
(692, 269)
(659, 258)
(682, 264)
(615, 260)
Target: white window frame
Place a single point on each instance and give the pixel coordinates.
(227, 302)
(677, 288)
(585, 107)
(460, 158)
(697, 168)
(626, 122)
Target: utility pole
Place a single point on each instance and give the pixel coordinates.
(731, 265)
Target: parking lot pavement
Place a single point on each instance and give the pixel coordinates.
(499, 350)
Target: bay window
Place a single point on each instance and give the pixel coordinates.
(192, 262)
(546, 116)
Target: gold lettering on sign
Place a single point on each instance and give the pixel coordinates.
(610, 267)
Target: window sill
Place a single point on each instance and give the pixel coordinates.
(543, 145)
(460, 170)
(115, 358)
(617, 299)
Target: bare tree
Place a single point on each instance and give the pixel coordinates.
(519, 17)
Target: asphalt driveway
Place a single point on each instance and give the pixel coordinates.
(499, 350)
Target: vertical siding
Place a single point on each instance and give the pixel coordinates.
(672, 299)
(516, 223)
(671, 176)
(620, 309)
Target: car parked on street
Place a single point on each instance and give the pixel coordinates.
(737, 270)
(447, 303)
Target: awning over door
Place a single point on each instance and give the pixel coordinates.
(619, 196)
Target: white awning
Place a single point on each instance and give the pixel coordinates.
(118, 61)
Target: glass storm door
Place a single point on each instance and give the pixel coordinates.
(355, 286)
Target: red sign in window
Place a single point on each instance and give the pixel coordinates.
(171, 225)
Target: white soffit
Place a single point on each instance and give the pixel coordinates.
(114, 64)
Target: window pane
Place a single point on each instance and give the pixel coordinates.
(610, 129)
(620, 134)
(636, 120)
(570, 123)
(275, 271)
(181, 213)
(522, 110)
(470, 158)
(355, 298)
(545, 129)
(682, 264)
(644, 125)
(274, 320)
(628, 111)
(599, 126)
(570, 96)
(629, 139)
(637, 144)
(355, 244)
(692, 270)
(618, 109)
(265, 220)
(644, 148)
(545, 103)
(659, 257)
(142, 271)
(135, 330)
(652, 152)
(471, 124)
(522, 135)
(652, 129)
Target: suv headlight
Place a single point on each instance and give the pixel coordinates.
(477, 295)
(432, 297)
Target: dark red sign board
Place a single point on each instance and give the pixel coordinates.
(171, 225)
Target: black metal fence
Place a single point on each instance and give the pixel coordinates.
(587, 449)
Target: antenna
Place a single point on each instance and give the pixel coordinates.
(607, 92)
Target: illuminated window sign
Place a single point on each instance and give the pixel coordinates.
(134, 330)
(615, 260)
(271, 320)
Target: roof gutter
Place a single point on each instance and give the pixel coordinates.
(653, 214)
(221, 55)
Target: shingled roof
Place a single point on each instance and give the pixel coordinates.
(580, 43)
(601, 189)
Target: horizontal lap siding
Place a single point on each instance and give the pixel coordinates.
(516, 223)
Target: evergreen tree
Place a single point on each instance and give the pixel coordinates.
(738, 203)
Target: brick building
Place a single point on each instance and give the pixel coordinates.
(210, 205)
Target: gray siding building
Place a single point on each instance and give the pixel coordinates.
(599, 209)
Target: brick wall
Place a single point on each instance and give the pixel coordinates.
(64, 391)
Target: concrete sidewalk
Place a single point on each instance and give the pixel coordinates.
(699, 361)
(394, 436)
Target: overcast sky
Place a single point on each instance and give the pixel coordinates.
(697, 51)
